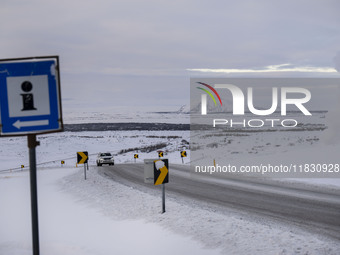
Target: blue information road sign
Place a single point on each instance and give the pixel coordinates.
(30, 100)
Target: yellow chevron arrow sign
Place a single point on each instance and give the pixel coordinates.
(161, 171)
(82, 157)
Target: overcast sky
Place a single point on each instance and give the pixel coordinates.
(134, 53)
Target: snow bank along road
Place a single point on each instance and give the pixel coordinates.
(317, 210)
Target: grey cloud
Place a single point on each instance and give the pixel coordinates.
(143, 38)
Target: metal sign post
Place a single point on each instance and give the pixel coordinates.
(161, 176)
(156, 171)
(183, 155)
(163, 197)
(85, 171)
(30, 104)
(82, 158)
(32, 143)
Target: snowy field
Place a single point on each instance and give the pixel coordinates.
(64, 146)
(72, 224)
(99, 216)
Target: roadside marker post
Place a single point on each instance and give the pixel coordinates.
(161, 176)
(82, 158)
(30, 104)
(156, 171)
(183, 155)
(135, 156)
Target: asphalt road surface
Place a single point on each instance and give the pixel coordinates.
(314, 209)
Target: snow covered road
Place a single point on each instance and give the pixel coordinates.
(315, 210)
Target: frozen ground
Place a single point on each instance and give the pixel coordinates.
(99, 216)
(73, 224)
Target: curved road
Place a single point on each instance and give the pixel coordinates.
(318, 211)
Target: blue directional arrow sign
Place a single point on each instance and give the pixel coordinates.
(30, 100)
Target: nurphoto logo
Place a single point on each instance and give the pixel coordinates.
(281, 98)
(239, 98)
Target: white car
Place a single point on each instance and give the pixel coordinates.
(105, 158)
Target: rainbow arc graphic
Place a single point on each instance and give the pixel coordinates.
(209, 93)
